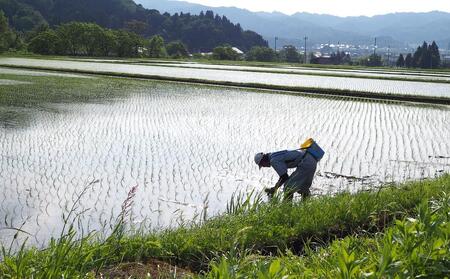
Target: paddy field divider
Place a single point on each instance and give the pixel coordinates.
(281, 88)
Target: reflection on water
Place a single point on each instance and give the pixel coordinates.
(186, 146)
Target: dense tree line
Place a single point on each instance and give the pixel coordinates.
(79, 38)
(426, 57)
(8, 38)
(198, 32)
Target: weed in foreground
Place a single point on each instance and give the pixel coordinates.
(411, 248)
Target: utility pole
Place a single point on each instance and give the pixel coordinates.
(389, 56)
(375, 47)
(276, 38)
(306, 38)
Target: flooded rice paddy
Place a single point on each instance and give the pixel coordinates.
(188, 148)
(312, 71)
(398, 87)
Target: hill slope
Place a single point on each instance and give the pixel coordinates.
(200, 33)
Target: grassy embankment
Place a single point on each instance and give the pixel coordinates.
(293, 89)
(270, 240)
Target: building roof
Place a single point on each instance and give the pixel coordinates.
(238, 51)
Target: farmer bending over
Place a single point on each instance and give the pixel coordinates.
(304, 160)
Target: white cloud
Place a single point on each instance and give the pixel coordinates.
(341, 8)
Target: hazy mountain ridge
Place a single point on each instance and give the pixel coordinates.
(406, 28)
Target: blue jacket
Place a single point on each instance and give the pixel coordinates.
(281, 161)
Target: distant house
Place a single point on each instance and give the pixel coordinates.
(322, 59)
(142, 50)
(238, 51)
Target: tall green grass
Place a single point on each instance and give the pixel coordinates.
(251, 228)
(411, 248)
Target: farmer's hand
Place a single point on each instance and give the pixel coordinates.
(270, 191)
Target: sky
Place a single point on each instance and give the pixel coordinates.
(334, 7)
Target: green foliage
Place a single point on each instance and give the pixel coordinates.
(263, 54)
(400, 61)
(374, 60)
(22, 15)
(8, 38)
(156, 47)
(44, 43)
(225, 53)
(127, 44)
(290, 54)
(409, 60)
(136, 26)
(199, 32)
(411, 248)
(78, 38)
(177, 50)
(426, 56)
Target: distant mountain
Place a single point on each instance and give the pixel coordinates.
(398, 29)
(199, 32)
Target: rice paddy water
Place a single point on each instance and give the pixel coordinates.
(188, 148)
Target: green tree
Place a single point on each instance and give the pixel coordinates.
(264, 54)
(44, 43)
(419, 56)
(225, 53)
(127, 44)
(400, 61)
(92, 38)
(71, 36)
(177, 50)
(409, 61)
(7, 37)
(427, 56)
(107, 42)
(156, 47)
(435, 56)
(290, 54)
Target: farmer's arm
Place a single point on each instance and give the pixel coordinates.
(281, 181)
(279, 165)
